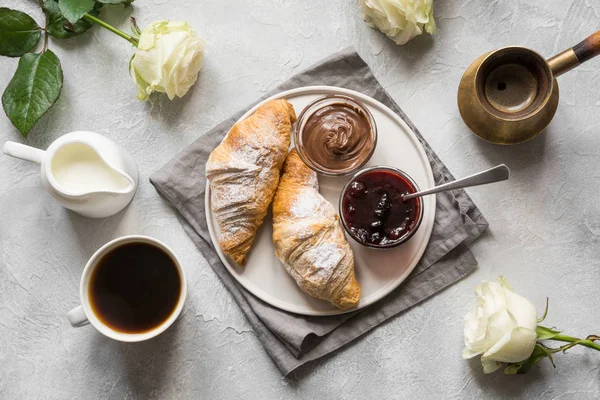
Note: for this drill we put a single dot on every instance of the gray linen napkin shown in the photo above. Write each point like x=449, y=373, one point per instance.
x=293, y=340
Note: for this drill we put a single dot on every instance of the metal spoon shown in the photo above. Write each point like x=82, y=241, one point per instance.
x=496, y=174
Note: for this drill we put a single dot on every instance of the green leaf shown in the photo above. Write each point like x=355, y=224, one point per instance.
x=32, y=90
x=59, y=27
x=126, y=2
x=544, y=333
x=538, y=354
x=18, y=32
x=73, y=10
x=513, y=368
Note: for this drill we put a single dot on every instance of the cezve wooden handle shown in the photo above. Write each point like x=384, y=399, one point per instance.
x=588, y=49
x=578, y=54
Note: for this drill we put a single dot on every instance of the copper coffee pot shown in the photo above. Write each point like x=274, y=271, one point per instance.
x=509, y=95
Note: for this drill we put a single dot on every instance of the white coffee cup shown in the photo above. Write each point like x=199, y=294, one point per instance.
x=84, y=314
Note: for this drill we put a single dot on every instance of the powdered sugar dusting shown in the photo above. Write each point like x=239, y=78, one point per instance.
x=323, y=259
x=243, y=172
x=313, y=181
x=307, y=203
x=240, y=171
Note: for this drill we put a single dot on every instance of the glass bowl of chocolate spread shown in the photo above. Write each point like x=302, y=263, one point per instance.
x=335, y=135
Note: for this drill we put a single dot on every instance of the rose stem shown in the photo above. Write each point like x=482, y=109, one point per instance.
x=111, y=28
x=583, y=342
x=45, y=29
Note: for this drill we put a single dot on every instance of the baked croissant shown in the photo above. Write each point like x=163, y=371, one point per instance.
x=309, y=239
x=244, y=172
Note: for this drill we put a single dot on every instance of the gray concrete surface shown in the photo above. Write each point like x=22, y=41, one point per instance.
x=544, y=223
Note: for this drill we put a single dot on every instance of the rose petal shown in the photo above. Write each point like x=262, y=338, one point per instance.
x=498, y=325
x=515, y=346
x=468, y=353
x=522, y=309
x=490, y=366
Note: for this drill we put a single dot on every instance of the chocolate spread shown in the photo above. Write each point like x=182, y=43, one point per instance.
x=337, y=137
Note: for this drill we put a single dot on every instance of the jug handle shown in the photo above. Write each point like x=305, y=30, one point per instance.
x=575, y=56
x=23, y=152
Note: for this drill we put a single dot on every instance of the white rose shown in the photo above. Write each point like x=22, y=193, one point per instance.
x=168, y=59
x=400, y=20
x=502, y=326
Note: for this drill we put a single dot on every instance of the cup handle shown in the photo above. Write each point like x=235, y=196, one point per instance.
x=77, y=317
x=24, y=152
x=575, y=56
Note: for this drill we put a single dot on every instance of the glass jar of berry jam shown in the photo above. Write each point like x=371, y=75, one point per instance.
x=372, y=210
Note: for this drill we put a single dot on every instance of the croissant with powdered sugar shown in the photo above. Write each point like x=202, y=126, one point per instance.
x=309, y=239
x=243, y=172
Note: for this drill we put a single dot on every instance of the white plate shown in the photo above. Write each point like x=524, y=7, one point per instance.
x=378, y=271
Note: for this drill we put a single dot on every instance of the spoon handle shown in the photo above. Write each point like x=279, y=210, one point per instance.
x=496, y=174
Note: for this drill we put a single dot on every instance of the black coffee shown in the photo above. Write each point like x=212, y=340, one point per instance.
x=135, y=287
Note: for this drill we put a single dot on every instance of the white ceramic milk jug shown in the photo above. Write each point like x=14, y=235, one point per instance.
x=85, y=172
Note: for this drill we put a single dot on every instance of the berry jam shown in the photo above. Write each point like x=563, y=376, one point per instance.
x=373, y=209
